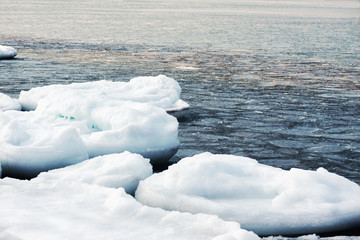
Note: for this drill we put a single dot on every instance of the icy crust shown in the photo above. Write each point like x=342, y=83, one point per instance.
x=8, y=103
x=114, y=171
x=160, y=91
x=57, y=205
x=7, y=52
x=263, y=199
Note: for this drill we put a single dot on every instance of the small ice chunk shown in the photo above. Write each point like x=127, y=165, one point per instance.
x=7, y=52
x=263, y=199
x=114, y=170
x=8, y=103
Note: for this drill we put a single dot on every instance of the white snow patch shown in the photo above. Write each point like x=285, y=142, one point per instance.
x=30, y=144
x=70, y=123
x=187, y=68
x=114, y=170
x=8, y=103
x=263, y=199
x=160, y=91
x=7, y=52
x=53, y=206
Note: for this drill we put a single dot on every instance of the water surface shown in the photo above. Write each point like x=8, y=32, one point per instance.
x=278, y=81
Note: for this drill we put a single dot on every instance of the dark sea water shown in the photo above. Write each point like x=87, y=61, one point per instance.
x=277, y=81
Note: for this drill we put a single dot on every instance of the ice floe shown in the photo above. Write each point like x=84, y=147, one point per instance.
x=106, y=127
x=114, y=170
x=7, y=52
x=30, y=144
x=160, y=91
x=66, y=124
x=8, y=103
x=56, y=205
x=263, y=199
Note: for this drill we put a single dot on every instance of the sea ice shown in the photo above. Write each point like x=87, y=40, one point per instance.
x=30, y=144
x=160, y=91
x=114, y=170
x=70, y=123
x=263, y=199
x=57, y=205
x=8, y=103
x=108, y=128
x=7, y=52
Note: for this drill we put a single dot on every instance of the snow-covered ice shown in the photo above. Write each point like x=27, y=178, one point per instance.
x=57, y=205
x=8, y=103
x=108, y=127
x=69, y=123
x=30, y=144
x=7, y=52
x=114, y=170
x=116, y=116
x=264, y=199
x=160, y=91
x=135, y=127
